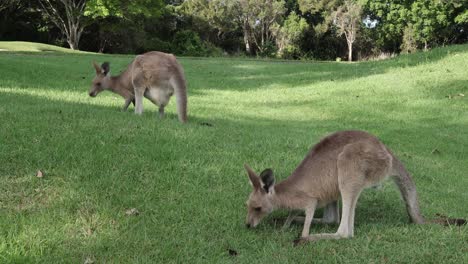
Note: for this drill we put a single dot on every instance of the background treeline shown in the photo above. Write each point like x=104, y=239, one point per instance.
x=293, y=29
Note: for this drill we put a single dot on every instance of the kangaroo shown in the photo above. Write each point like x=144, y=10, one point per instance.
x=154, y=75
x=341, y=164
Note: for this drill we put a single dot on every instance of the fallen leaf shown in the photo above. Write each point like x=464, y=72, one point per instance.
x=232, y=252
x=206, y=124
x=298, y=242
x=435, y=151
x=462, y=95
x=89, y=260
x=132, y=211
x=39, y=174
x=446, y=221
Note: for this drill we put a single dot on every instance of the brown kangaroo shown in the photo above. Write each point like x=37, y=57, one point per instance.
x=154, y=75
x=341, y=164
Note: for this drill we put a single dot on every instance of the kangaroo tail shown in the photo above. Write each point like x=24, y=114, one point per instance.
x=407, y=188
x=180, y=90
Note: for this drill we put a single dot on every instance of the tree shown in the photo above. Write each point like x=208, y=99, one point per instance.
x=258, y=19
x=289, y=34
x=214, y=20
x=409, y=42
x=121, y=25
x=4, y=4
x=124, y=8
x=320, y=12
x=347, y=19
x=68, y=16
x=392, y=17
x=429, y=17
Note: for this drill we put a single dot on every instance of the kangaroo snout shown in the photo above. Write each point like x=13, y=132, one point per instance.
x=92, y=94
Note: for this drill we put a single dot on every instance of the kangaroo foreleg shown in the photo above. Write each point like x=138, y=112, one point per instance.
x=309, y=212
x=161, y=111
x=127, y=103
x=345, y=230
x=331, y=215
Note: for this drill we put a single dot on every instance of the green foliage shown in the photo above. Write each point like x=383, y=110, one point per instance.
x=289, y=35
x=320, y=13
x=218, y=14
x=124, y=8
x=258, y=19
x=392, y=17
x=188, y=43
x=429, y=17
x=317, y=6
x=433, y=22
x=409, y=44
x=462, y=18
x=157, y=44
x=347, y=19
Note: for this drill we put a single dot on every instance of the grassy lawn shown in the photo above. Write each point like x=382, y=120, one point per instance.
x=188, y=182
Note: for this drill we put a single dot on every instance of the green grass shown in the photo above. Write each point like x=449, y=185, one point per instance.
x=188, y=182
x=21, y=46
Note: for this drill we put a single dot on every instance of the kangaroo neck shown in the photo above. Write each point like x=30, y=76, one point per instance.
x=118, y=86
x=288, y=195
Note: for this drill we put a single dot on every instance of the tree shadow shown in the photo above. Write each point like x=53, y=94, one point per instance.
x=204, y=73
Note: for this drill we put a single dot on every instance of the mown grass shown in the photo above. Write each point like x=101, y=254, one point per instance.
x=187, y=181
x=23, y=47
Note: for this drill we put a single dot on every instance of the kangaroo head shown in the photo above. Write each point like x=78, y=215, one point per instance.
x=260, y=201
x=102, y=79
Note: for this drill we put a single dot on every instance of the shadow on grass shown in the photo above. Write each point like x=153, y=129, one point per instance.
x=180, y=176
x=74, y=71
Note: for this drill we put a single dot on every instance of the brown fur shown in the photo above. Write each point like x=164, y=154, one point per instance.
x=154, y=75
x=340, y=165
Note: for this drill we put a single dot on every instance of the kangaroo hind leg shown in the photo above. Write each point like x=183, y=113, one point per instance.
x=351, y=182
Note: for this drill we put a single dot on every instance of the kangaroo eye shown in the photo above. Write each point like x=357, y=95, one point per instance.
x=258, y=209
x=98, y=84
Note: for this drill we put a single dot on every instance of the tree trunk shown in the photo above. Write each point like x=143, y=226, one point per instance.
x=245, y=28
x=72, y=45
x=74, y=36
x=246, y=42
x=350, y=51
x=72, y=42
x=69, y=22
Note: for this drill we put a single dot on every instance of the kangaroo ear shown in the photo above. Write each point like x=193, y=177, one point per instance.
x=105, y=68
x=254, y=180
x=268, y=180
x=97, y=68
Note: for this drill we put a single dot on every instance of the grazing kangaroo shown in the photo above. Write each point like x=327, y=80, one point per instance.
x=154, y=75
x=341, y=164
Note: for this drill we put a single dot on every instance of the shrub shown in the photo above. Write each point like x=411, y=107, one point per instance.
x=188, y=43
